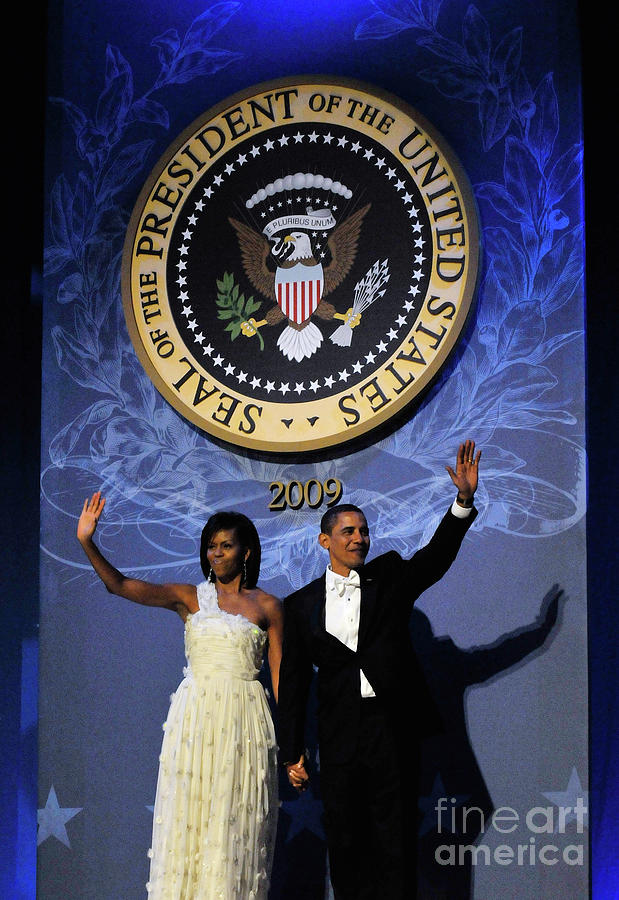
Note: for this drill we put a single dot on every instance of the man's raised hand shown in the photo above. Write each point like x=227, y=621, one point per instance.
x=467, y=466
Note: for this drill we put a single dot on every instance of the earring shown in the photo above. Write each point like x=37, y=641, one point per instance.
x=244, y=579
x=210, y=572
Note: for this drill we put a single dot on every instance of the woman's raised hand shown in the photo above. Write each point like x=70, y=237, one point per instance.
x=87, y=523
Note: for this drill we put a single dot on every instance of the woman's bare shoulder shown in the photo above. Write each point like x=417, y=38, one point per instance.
x=269, y=603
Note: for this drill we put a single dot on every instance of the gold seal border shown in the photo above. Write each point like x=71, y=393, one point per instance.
x=291, y=442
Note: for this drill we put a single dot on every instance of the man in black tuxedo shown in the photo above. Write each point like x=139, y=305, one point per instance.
x=373, y=705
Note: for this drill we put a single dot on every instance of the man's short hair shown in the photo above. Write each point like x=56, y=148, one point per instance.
x=328, y=520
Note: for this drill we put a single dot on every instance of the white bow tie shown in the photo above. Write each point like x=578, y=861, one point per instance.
x=340, y=582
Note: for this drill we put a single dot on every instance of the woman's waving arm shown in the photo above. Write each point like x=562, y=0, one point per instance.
x=178, y=597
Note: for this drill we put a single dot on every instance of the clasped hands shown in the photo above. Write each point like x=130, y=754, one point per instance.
x=297, y=774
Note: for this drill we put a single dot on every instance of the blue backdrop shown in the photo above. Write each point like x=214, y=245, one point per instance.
x=504, y=91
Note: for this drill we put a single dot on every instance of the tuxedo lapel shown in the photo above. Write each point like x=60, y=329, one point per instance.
x=317, y=618
x=317, y=607
x=369, y=602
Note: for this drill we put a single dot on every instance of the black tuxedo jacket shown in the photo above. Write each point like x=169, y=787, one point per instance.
x=389, y=587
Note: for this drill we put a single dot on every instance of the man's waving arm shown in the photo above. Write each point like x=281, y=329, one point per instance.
x=431, y=562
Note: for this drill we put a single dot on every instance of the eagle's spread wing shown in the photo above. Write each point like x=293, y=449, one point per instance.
x=254, y=253
x=343, y=247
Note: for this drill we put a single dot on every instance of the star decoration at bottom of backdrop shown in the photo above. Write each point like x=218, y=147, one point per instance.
x=52, y=819
x=573, y=803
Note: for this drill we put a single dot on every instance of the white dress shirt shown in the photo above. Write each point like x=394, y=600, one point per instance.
x=343, y=606
x=342, y=609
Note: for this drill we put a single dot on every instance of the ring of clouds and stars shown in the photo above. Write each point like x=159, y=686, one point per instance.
x=300, y=264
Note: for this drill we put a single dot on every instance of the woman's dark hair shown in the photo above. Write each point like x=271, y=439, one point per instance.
x=247, y=537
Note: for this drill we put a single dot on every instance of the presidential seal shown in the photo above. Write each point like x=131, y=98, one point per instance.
x=300, y=264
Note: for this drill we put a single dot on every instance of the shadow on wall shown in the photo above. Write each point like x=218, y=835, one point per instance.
x=449, y=768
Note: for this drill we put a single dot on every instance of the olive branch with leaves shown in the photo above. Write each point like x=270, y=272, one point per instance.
x=234, y=307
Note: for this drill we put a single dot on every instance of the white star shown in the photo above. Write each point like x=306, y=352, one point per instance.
x=390, y=173
x=208, y=192
x=283, y=140
x=192, y=219
x=283, y=388
x=314, y=386
x=407, y=198
x=329, y=381
x=218, y=360
x=229, y=369
x=344, y=376
x=242, y=159
x=370, y=357
x=342, y=142
x=419, y=258
x=52, y=819
x=298, y=137
x=368, y=154
x=269, y=386
x=255, y=151
x=417, y=273
x=187, y=234
x=183, y=250
x=255, y=382
x=200, y=205
x=242, y=376
x=192, y=325
x=299, y=387
x=269, y=144
x=574, y=801
x=207, y=350
x=218, y=179
x=183, y=295
x=181, y=265
x=399, y=185
x=187, y=311
x=381, y=346
x=391, y=334
x=419, y=242
x=327, y=138
x=199, y=338
x=416, y=226
x=313, y=137
x=379, y=163
x=357, y=367
x=229, y=169
x=408, y=305
x=401, y=320
x=181, y=280
x=355, y=147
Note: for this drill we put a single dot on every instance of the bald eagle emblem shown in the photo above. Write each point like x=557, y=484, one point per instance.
x=284, y=264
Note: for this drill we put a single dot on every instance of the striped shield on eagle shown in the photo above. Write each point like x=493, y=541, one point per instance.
x=299, y=291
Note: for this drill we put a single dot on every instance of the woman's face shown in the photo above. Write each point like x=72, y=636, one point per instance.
x=225, y=554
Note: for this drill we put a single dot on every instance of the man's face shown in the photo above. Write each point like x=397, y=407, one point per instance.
x=348, y=543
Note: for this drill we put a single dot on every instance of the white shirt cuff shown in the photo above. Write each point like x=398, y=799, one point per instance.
x=460, y=512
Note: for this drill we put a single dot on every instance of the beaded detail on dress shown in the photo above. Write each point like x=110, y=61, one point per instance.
x=216, y=806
